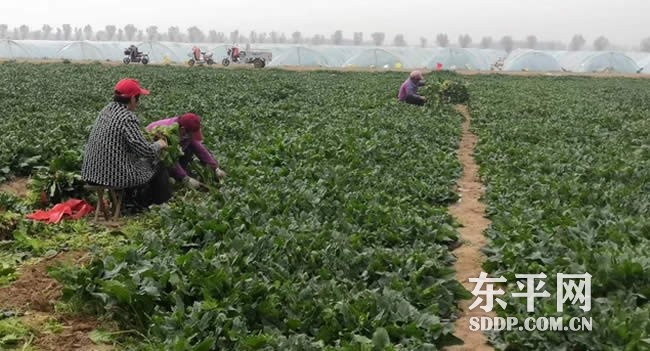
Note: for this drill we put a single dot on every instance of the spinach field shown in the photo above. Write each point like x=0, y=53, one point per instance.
x=331, y=231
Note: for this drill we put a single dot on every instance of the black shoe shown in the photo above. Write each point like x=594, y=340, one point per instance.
x=453, y=245
x=132, y=208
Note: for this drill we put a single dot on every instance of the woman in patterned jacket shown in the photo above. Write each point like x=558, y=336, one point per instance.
x=117, y=154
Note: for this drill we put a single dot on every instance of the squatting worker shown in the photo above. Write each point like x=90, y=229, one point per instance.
x=408, y=92
x=117, y=155
x=191, y=141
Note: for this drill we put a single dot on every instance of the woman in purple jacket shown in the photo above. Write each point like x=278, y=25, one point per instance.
x=408, y=92
x=191, y=143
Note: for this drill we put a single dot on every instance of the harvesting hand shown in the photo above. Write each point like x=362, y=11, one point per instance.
x=191, y=182
x=162, y=143
x=220, y=173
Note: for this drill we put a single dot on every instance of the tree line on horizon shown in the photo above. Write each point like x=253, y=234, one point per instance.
x=195, y=35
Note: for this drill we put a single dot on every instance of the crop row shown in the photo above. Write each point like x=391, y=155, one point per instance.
x=567, y=169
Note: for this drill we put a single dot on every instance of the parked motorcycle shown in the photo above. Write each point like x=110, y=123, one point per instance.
x=135, y=56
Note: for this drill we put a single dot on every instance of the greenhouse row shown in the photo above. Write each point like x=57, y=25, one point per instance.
x=344, y=56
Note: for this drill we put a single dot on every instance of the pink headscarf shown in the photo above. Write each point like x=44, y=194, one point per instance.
x=416, y=76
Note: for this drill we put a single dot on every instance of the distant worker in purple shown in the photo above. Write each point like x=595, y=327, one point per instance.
x=408, y=92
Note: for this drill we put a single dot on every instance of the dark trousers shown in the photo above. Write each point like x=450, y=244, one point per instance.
x=188, y=156
x=413, y=100
x=157, y=191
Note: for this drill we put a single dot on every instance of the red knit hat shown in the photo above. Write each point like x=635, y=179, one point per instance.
x=192, y=124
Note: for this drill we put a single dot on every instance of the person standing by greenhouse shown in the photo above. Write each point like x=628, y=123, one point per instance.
x=118, y=156
x=408, y=92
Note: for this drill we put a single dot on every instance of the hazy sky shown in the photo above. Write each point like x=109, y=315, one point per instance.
x=622, y=21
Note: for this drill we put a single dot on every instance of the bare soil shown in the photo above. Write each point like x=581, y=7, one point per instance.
x=17, y=187
x=35, y=290
x=470, y=213
x=35, y=293
x=73, y=337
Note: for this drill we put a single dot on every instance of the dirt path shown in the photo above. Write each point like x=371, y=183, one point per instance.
x=470, y=213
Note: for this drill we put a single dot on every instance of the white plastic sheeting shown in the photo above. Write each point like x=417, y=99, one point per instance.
x=642, y=60
x=159, y=52
x=531, y=61
x=184, y=50
x=637, y=56
x=12, y=50
x=219, y=52
x=414, y=57
x=41, y=49
x=80, y=50
x=376, y=58
x=339, y=56
x=300, y=56
x=111, y=50
x=456, y=59
x=644, y=65
x=558, y=54
x=491, y=56
x=587, y=62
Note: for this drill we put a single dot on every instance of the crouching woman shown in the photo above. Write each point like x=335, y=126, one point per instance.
x=118, y=156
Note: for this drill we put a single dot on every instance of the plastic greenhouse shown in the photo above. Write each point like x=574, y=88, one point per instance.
x=159, y=52
x=183, y=51
x=11, y=49
x=338, y=55
x=644, y=65
x=558, y=54
x=111, y=50
x=456, y=59
x=490, y=56
x=219, y=51
x=299, y=56
x=342, y=56
x=638, y=57
x=531, y=60
x=43, y=49
x=414, y=57
x=377, y=58
x=80, y=50
x=598, y=62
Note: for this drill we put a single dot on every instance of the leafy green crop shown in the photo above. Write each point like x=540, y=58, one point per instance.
x=454, y=92
x=565, y=162
x=58, y=181
x=173, y=152
x=445, y=87
x=12, y=333
x=330, y=232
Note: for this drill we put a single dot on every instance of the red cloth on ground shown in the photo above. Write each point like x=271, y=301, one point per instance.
x=72, y=209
